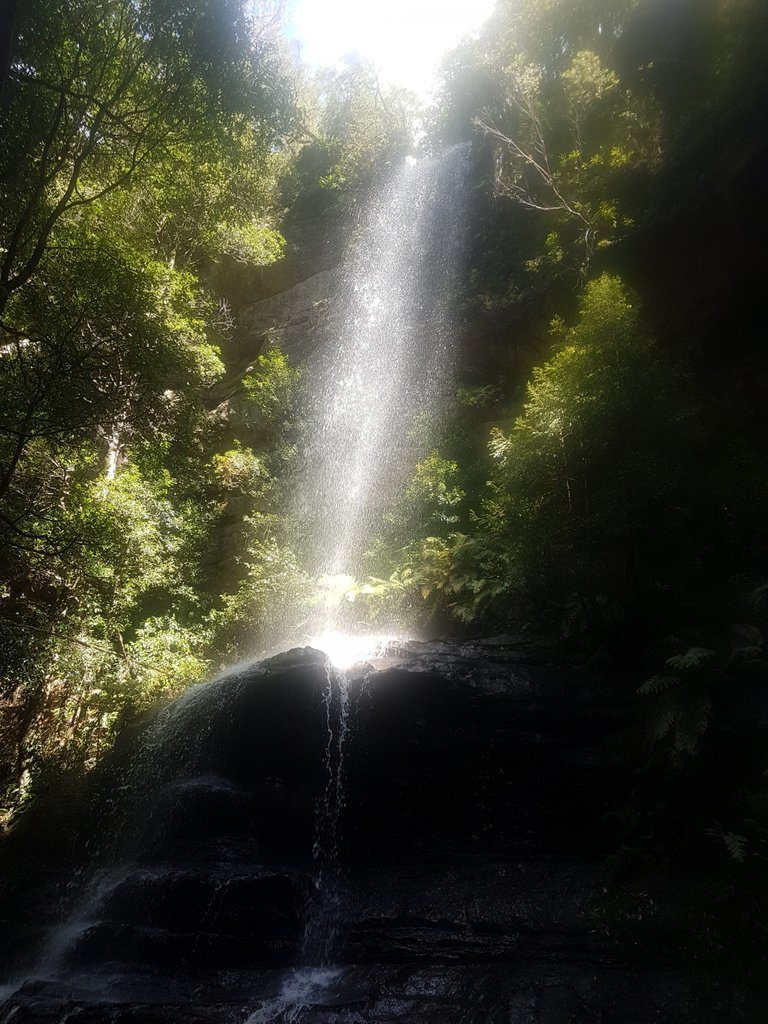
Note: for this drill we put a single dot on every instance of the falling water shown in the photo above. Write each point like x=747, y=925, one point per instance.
x=321, y=923
x=296, y=995
x=380, y=384
x=383, y=379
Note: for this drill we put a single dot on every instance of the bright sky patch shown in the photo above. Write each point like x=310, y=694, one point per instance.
x=404, y=39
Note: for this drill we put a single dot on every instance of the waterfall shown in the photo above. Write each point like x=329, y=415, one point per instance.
x=164, y=881
x=320, y=928
x=381, y=382
x=377, y=396
x=375, y=388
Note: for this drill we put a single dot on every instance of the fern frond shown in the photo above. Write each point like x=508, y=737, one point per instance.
x=657, y=684
x=737, y=846
x=666, y=717
x=700, y=717
x=694, y=657
x=691, y=725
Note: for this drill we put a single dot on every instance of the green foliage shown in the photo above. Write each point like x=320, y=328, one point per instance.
x=97, y=96
x=584, y=522
x=413, y=558
x=419, y=583
x=272, y=594
x=262, y=590
x=433, y=496
x=589, y=489
x=568, y=129
x=682, y=699
x=694, y=657
x=240, y=471
x=203, y=199
x=429, y=504
x=736, y=846
x=682, y=713
x=163, y=659
x=272, y=385
x=143, y=145
x=358, y=124
x=271, y=412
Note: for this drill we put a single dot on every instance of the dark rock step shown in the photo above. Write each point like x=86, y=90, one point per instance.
x=187, y=900
x=426, y=942
x=185, y=814
x=531, y=993
x=469, y=858
x=158, y=948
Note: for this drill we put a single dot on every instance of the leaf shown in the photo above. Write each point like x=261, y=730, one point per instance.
x=665, y=720
x=691, y=724
x=694, y=657
x=736, y=846
x=658, y=684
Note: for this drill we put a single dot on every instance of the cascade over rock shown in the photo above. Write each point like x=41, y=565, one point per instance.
x=468, y=796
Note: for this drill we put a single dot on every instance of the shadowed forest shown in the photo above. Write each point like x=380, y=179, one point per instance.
x=600, y=481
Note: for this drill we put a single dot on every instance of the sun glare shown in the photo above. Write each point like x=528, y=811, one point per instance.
x=347, y=649
x=403, y=39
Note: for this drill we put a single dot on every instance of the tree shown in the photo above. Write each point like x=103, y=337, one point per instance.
x=144, y=146
x=593, y=498
x=566, y=141
x=98, y=90
x=358, y=123
x=119, y=331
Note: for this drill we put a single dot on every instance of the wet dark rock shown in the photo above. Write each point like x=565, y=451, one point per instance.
x=471, y=883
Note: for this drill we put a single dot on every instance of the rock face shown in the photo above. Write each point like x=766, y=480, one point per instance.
x=424, y=843
x=290, y=303
x=296, y=320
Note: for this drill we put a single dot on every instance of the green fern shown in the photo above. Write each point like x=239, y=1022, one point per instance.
x=694, y=657
x=682, y=706
x=658, y=684
x=664, y=722
x=737, y=846
x=691, y=724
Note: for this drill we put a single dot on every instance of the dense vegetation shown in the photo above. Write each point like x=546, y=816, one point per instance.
x=602, y=475
x=625, y=498
x=144, y=142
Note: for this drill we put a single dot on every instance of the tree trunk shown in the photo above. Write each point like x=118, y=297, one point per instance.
x=113, y=454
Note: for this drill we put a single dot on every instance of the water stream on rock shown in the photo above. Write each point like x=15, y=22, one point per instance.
x=303, y=985
x=379, y=393
x=300, y=988
x=320, y=927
